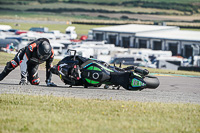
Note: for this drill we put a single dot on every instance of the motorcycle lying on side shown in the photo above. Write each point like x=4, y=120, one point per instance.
x=76, y=70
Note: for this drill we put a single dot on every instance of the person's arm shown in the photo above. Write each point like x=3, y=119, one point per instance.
x=48, y=67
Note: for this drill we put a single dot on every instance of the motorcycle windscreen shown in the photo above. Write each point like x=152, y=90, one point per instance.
x=127, y=80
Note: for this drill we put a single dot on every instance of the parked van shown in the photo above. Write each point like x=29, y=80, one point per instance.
x=57, y=47
x=71, y=33
x=136, y=60
x=5, y=27
x=39, y=29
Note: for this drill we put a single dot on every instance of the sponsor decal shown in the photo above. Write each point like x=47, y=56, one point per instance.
x=137, y=83
x=91, y=81
x=32, y=46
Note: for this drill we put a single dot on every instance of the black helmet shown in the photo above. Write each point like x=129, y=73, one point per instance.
x=44, y=50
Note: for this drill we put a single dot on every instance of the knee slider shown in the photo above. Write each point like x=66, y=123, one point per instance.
x=35, y=81
x=12, y=64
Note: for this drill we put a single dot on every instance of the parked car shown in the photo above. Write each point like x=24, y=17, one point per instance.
x=19, y=32
x=5, y=27
x=39, y=29
x=13, y=30
x=136, y=60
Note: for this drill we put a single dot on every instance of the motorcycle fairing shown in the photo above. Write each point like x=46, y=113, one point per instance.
x=95, y=73
x=69, y=74
x=136, y=82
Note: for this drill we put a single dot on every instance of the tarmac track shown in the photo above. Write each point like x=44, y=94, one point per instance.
x=172, y=89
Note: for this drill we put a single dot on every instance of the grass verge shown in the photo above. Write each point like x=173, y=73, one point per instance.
x=179, y=72
x=81, y=29
x=23, y=113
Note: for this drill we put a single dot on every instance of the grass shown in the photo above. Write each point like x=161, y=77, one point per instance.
x=90, y=18
x=179, y=72
x=116, y=1
x=166, y=71
x=89, y=6
x=93, y=9
x=5, y=57
x=120, y=1
x=81, y=29
x=23, y=113
x=190, y=29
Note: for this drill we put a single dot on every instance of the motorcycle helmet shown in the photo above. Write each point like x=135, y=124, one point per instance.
x=44, y=50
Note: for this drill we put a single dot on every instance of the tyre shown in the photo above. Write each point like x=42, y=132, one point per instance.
x=152, y=82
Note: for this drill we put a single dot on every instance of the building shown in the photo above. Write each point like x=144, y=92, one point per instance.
x=184, y=43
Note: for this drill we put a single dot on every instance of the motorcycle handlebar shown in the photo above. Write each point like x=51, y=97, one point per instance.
x=137, y=69
x=69, y=50
x=130, y=68
x=142, y=71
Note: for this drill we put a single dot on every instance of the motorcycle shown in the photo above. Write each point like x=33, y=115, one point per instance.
x=76, y=70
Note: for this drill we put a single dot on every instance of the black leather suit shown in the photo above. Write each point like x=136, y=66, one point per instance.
x=28, y=60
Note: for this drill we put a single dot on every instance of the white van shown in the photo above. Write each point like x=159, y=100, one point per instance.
x=57, y=47
x=71, y=33
x=5, y=27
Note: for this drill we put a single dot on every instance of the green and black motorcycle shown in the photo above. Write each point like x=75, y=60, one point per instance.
x=76, y=70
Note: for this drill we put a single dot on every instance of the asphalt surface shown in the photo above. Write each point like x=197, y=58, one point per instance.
x=171, y=90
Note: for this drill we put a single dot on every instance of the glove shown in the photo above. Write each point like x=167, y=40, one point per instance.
x=23, y=82
x=49, y=83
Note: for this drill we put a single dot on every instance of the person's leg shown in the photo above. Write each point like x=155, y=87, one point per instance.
x=11, y=65
x=33, y=74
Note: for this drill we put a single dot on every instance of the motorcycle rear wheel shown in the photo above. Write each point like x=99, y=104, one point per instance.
x=152, y=82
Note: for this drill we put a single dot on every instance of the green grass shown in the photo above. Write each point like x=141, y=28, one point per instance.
x=81, y=29
x=119, y=1
x=5, y=57
x=166, y=71
x=179, y=72
x=23, y=113
x=109, y=9
x=89, y=6
x=198, y=29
